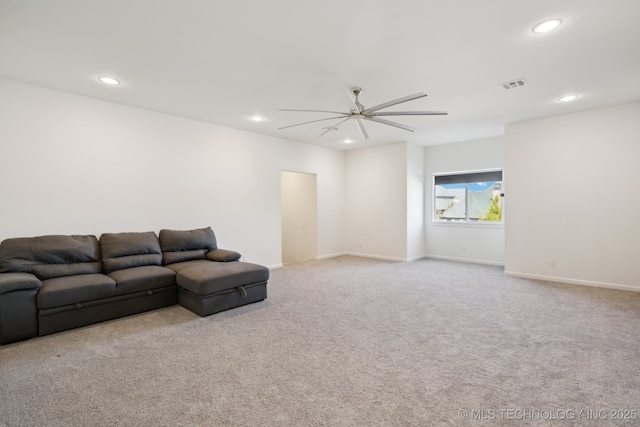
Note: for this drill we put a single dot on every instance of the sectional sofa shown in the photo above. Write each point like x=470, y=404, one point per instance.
x=53, y=283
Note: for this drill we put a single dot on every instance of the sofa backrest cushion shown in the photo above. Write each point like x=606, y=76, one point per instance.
x=51, y=256
x=186, y=245
x=126, y=250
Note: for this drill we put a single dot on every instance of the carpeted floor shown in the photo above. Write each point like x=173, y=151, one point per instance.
x=346, y=342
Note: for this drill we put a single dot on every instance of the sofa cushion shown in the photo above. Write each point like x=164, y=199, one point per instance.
x=182, y=256
x=69, y=290
x=179, y=266
x=143, y=278
x=206, y=279
x=185, y=245
x=126, y=250
x=51, y=256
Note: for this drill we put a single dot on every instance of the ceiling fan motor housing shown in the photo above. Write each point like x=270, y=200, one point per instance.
x=356, y=91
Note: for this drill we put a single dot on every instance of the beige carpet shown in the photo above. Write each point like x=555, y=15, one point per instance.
x=346, y=342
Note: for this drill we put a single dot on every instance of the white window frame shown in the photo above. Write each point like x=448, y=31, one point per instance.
x=467, y=222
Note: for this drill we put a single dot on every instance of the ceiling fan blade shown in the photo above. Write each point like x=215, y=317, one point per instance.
x=390, y=123
x=363, y=129
x=312, y=121
x=318, y=111
x=409, y=113
x=325, y=132
x=394, y=102
x=334, y=127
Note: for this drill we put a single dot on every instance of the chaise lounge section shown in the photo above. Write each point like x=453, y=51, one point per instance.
x=206, y=287
x=53, y=283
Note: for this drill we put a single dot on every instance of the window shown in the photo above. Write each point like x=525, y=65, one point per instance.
x=468, y=197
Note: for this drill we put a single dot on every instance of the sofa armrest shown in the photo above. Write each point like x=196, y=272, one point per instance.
x=18, y=281
x=18, y=306
x=223, y=255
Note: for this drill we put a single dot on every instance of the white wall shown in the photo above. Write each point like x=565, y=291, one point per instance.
x=573, y=197
x=464, y=242
x=76, y=165
x=376, y=201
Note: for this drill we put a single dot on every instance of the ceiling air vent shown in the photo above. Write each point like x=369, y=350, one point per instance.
x=514, y=84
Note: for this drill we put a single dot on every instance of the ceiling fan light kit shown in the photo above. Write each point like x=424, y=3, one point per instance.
x=359, y=114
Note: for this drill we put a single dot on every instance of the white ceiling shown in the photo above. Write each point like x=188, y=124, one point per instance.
x=224, y=61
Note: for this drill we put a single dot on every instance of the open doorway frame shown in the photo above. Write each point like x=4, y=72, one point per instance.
x=299, y=207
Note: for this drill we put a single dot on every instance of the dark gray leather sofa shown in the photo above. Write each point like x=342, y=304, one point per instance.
x=50, y=284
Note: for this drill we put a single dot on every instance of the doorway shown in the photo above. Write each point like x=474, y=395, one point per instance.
x=299, y=216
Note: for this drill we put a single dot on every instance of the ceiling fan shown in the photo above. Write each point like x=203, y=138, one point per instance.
x=359, y=113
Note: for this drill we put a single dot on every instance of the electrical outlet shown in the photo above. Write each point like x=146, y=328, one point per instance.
x=552, y=262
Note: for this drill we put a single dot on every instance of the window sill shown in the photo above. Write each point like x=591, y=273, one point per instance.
x=471, y=224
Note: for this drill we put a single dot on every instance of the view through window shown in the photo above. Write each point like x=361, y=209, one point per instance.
x=468, y=197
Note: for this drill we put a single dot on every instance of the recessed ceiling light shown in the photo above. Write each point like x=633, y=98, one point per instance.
x=348, y=141
x=109, y=80
x=545, y=26
x=568, y=98
x=256, y=119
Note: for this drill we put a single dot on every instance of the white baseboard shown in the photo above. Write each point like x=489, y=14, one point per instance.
x=274, y=266
x=382, y=257
x=387, y=258
x=574, y=281
x=330, y=255
x=469, y=260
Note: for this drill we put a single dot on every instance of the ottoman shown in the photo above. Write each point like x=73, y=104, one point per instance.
x=210, y=287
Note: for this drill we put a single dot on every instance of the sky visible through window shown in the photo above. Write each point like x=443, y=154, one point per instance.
x=473, y=186
x=470, y=201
